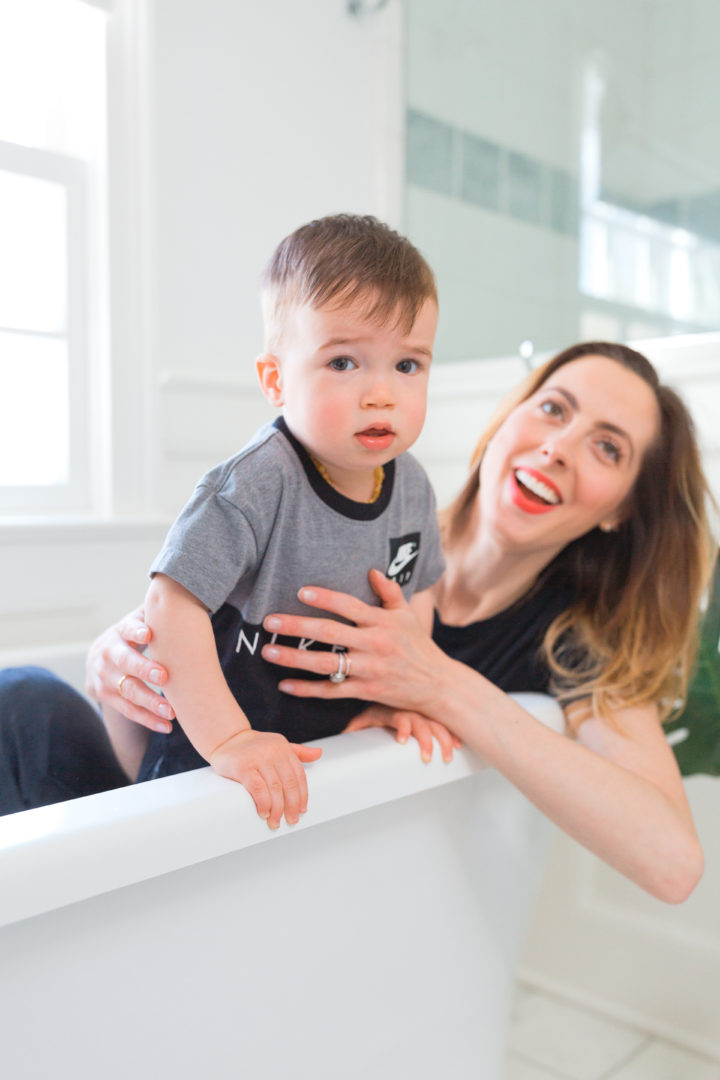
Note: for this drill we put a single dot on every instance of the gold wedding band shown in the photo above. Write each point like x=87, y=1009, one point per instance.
x=121, y=680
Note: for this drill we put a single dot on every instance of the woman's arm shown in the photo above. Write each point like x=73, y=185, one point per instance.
x=618, y=792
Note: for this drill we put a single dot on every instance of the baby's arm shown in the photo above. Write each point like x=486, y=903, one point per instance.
x=264, y=762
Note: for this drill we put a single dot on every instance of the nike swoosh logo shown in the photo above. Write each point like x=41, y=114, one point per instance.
x=400, y=561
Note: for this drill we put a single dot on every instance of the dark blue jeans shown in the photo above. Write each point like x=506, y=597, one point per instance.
x=53, y=745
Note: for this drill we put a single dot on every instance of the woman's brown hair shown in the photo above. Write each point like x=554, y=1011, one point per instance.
x=629, y=636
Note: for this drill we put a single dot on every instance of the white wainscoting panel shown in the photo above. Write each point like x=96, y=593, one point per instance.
x=66, y=583
x=204, y=420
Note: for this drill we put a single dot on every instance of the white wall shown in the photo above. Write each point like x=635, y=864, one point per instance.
x=264, y=116
x=231, y=124
x=258, y=119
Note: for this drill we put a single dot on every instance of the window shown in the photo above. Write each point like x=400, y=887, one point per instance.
x=53, y=328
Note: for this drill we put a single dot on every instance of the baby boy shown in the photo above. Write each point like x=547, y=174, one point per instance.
x=320, y=496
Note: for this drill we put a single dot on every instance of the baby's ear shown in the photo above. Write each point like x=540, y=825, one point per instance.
x=270, y=376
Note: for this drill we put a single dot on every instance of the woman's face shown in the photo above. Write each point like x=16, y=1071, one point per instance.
x=565, y=460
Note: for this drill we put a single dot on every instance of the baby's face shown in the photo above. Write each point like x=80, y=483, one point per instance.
x=354, y=392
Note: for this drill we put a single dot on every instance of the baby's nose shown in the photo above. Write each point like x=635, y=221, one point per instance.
x=378, y=395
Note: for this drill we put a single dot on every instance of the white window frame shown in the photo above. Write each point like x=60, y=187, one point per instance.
x=69, y=173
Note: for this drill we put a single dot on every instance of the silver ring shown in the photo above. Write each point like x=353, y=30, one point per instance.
x=120, y=682
x=343, y=669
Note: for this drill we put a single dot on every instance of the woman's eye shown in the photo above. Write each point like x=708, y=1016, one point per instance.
x=552, y=408
x=342, y=363
x=408, y=367
x=610, y=449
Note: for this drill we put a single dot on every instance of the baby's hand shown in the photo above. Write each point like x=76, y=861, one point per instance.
x=269, y=767
x=405, y=724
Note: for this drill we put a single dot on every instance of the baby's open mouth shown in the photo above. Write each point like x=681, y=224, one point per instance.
x=535, y=489
x=377, y=430
x=376, y=437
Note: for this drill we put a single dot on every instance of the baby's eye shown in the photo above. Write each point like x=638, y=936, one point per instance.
x=610, y=449
x=342, y=363
x=407, y=367
x=552, y=408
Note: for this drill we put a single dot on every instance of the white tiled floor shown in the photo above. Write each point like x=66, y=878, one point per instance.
x=552, y=1039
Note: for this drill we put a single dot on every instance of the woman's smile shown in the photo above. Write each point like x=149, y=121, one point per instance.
x=534, y=492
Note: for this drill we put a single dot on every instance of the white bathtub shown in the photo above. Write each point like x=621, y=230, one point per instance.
x=164, y=931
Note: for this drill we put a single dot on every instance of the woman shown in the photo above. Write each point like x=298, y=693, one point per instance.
x=577, y=554
x=584, y=520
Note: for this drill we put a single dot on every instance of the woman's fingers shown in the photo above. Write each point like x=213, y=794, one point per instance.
x=140, y=714
x=326, y=631
x=138, y=702
x=329, y=631
x=389, y=592
x=321, y=662
x=323, y=688
x=116, y=673
x=348, y=607
x=133, y=628
x=129, y=661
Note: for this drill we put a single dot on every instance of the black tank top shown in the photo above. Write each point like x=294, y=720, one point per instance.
x=506, y=648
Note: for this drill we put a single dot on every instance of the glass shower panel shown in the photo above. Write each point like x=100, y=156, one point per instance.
x=563, y=168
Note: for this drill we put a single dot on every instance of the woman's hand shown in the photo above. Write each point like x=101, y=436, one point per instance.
x=406, y=724
x=116, y=673
x=392, y=658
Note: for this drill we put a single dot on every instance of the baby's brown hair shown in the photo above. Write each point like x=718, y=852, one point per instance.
x=346, y=259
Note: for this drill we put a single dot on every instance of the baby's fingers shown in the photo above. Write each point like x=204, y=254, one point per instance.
x=403, y=727
x=276, y=792
x=294, y=789
x=307, y=754
x=445, y=738
x=256, y=786
x=423, y=733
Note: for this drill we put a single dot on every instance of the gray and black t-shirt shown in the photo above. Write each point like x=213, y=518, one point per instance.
x=257, y=528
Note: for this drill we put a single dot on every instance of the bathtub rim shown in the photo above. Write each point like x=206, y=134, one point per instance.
x=57, y=855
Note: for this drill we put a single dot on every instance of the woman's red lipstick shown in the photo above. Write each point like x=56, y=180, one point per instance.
x=533, y=492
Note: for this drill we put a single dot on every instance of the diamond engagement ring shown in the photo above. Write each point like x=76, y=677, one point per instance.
x=343, y=668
